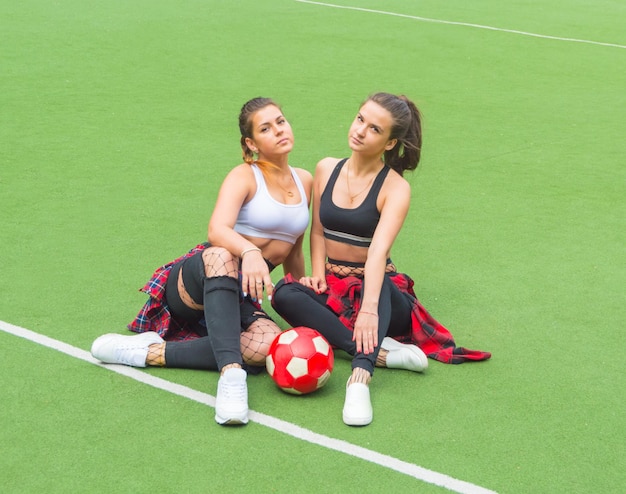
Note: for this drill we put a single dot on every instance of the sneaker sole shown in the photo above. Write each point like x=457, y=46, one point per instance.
x=358, y=422
x=231, y=421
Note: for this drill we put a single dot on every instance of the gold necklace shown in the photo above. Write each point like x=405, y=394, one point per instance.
x=350, y=196
x=287, y=191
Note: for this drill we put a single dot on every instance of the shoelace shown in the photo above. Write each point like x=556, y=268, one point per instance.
x=233, y=391
x=127, y=354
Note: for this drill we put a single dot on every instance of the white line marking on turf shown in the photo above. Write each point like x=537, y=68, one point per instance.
x=279, y=425
x=466, y=24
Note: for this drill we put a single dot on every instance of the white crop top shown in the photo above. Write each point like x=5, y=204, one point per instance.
x=265, y=217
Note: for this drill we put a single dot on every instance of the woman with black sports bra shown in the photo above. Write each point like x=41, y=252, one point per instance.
x=355, y=297
x=206, y=303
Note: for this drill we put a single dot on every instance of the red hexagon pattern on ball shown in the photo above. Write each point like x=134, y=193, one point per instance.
x=300, y=360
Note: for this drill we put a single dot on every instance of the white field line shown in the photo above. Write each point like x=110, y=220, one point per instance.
x=466, y=24
x=279, y=425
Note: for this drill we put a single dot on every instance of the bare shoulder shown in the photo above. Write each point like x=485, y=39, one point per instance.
x=325, y=166
x=305, y=175
x=240, y=178
x=306, y=178
x=241, y=171
x=396, y=185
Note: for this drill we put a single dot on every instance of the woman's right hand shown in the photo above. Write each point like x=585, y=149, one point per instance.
x=318, y=285
x=255, y=276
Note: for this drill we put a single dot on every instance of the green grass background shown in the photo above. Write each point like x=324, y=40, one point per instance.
x=118, y=123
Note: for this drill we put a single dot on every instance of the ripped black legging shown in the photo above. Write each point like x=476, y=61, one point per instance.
x=226, y=314
x=301, y=306
x=198, y=354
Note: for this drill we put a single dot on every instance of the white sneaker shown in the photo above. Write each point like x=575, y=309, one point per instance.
x=404, y=356
x=231, y=402
x=128, y=350
x=357, y=409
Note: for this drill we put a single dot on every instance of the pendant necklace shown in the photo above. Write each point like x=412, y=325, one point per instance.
x=288, y=192
x=350, y=196
x=277, y=182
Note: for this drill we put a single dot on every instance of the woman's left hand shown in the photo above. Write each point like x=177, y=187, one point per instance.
x=366, y=332
x=318, y=285
x=255, y=276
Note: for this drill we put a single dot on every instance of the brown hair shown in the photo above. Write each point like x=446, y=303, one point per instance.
x=245, y=127
x=407, y=128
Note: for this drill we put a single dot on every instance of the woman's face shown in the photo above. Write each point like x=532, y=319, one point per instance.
x=370, y=130
x=271, y=132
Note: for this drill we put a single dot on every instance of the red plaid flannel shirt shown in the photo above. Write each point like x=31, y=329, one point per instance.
x=344, y=299
x=155, y=315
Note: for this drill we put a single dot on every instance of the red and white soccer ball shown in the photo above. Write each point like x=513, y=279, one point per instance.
x=300, y=360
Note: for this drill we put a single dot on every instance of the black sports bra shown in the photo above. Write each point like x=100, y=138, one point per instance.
x=351, y=226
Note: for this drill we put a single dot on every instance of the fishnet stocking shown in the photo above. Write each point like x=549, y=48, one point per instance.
x=343, y=271
x=219, y=262
x=256, y=341
x=156, y=355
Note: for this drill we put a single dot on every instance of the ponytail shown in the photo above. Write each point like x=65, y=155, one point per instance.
x=406, y=128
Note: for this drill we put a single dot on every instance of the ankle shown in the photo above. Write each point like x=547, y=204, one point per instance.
x=229, y=366
x=156, y=355
x=360, y=375
x=381, y=358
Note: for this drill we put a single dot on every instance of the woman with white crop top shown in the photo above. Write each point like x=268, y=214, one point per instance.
x=204, y=310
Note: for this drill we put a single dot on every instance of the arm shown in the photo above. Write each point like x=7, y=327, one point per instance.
x=393, y=213
x=317, y=281
x=318, y=247
x=237, y=188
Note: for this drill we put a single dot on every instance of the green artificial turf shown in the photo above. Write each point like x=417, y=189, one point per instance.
x=118, y=121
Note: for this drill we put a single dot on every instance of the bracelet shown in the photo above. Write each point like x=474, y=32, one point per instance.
x=251, y=249
x=370, y=313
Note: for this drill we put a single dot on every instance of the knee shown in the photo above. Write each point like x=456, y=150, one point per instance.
x=288, y=297
x=262, y=330
x=282, y=292
x=218, y=261
x=270, y=334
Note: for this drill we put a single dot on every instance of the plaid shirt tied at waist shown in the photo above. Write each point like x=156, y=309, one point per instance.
x=344, y=299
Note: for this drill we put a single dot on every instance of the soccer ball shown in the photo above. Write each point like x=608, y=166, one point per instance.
x=300, y=360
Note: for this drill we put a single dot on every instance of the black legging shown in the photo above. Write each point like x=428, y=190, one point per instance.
x=225, y=313
x=198, y=353
x=301, y=306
